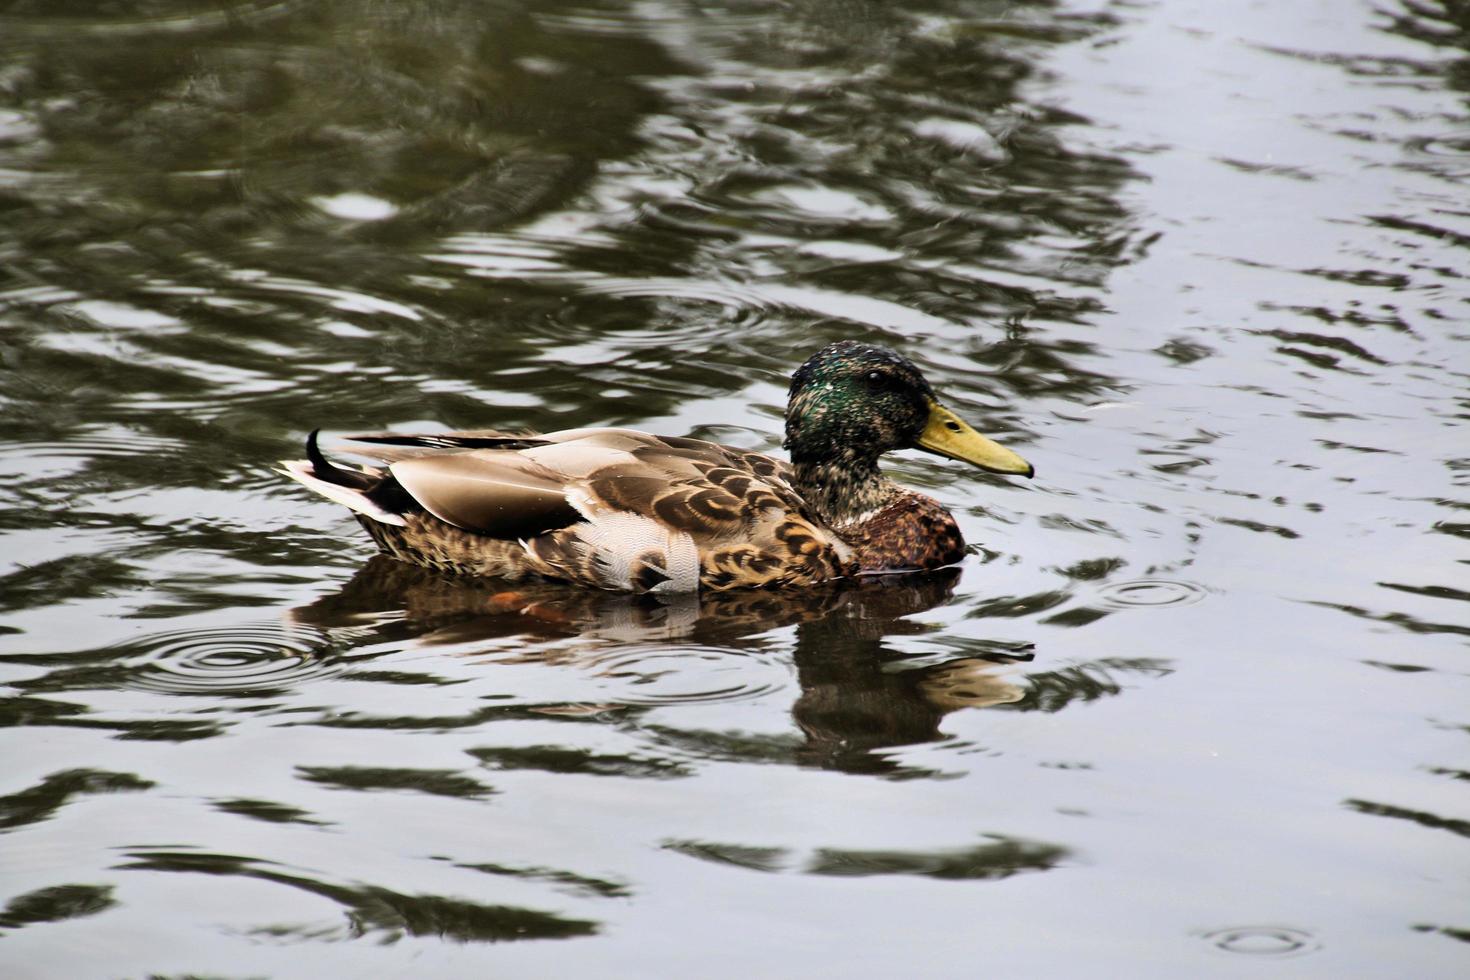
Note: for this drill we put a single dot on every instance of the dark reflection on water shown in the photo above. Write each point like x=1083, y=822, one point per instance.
x=432, y=781
x=39, y=802
x=388, y=600
x=853, y=702
x=1454, y=825
x=381, y=913
x=205, y=188
x=572, y=883
x=555, y=758
x=1000, y=858
x=1463, y=935
x=267, y=811
x=55, y=904
x=1055, y=690
x=856, y=694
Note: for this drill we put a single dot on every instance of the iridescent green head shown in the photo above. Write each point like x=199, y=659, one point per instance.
x=852, y=402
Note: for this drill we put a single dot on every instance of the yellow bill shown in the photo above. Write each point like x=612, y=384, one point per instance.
x=948, y=435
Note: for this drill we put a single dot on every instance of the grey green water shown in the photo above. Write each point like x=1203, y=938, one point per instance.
x=1197, y=703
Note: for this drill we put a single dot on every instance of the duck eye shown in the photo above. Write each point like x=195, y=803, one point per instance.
x=876, y=381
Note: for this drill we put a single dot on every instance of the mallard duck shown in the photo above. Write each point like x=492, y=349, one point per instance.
x=625, y=510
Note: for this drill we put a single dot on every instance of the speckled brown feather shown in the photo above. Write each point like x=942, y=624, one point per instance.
x=912, y=532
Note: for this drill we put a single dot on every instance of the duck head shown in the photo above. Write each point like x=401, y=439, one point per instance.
x=852, y=402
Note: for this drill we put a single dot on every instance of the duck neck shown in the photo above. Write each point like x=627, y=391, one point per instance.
x=843, y=491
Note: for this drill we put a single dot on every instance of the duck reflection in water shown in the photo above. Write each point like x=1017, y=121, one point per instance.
x=855, y=695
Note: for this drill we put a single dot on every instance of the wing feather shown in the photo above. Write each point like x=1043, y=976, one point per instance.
x=496, y=493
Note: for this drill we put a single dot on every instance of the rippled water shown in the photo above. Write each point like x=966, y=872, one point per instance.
x=1198, y=698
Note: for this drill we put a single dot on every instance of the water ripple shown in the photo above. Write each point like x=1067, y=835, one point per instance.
x=658, y=676
x=588, y=21
x=1264, y=941
x=1152, y=593
x=232, y=660
x=115, y=448
x=679, y=307
x=1448, y=154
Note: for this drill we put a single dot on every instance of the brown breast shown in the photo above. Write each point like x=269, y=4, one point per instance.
x=912, y=532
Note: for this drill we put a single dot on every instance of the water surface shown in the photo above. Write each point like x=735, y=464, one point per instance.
x=1197, y=698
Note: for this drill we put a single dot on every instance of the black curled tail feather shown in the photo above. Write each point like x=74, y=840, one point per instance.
x=324, y=469
x=381, y=488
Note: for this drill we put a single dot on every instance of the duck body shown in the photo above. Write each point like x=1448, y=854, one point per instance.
x=621, y=509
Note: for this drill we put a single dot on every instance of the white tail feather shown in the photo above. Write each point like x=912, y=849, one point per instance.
x=300, y=471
